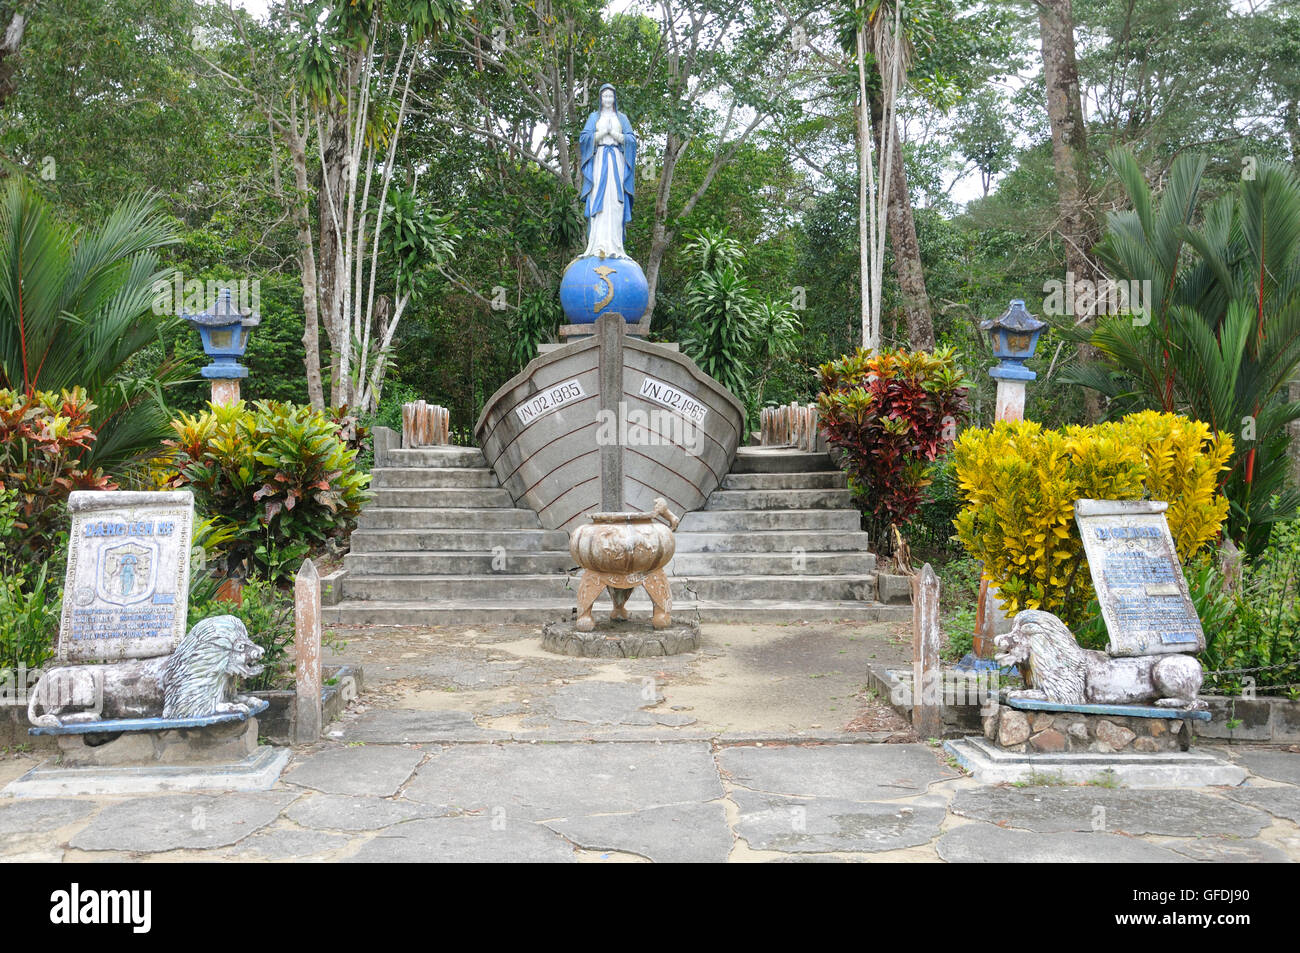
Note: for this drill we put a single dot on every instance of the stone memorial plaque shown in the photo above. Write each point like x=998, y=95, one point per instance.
x=1139, y=581
x=128, y=581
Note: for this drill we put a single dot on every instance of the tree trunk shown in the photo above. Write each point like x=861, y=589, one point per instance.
x=660, y=234
x=870, y=329
x=903, y=241
x=10, y=40
x=332, y=273
x=1291, y=123
x=1069, y=158
x=302, y=220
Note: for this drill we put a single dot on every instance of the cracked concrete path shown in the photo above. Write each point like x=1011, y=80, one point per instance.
x=473, y=745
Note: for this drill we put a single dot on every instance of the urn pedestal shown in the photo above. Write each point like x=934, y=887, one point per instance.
x=620, y=551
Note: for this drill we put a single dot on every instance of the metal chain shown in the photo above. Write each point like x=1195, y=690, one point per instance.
x=1258, y=668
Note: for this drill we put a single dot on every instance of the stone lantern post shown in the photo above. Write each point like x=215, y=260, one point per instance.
x=224, y=329
x=1015, y=337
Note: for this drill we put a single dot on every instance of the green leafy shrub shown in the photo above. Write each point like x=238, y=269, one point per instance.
x=278, y=477
x=1020, y=480
x=891, y=414
x=75, y=311
x=735, y=336
x=267, y=613
x=43, y=438
x=959, y=633
x=1221, y=335
x=1259, y=626
x=29, y=602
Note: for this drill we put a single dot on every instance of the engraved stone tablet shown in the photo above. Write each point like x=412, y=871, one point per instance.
x=1139, y=581
x=128, y=581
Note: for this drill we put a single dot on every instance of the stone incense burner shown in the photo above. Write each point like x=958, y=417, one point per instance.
x=620, y=551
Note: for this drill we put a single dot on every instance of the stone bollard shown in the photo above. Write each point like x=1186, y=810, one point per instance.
x=927, y=677
x=306, y=651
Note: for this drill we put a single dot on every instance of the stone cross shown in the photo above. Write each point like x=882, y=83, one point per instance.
x=306, y=649
x=927, y=678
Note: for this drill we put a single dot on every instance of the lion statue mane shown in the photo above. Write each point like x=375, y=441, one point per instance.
x=1057, y=669
x=196, y=681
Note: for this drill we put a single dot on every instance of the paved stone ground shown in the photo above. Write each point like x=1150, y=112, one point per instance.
x=474, y=745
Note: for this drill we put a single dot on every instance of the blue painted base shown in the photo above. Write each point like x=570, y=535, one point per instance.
x=1011, y=371
x=1130, y=711
x=224, y=371
x=151, y=724
x=970, y=662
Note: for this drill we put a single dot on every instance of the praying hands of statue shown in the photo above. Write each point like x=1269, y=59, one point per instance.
x=608, y=130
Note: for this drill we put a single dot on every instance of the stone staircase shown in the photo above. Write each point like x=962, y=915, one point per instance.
x=442, y=543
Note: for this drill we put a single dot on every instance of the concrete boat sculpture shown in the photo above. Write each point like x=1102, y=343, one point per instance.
x=545, y=431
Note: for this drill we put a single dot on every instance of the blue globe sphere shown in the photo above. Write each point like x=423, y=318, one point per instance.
x=593, y=286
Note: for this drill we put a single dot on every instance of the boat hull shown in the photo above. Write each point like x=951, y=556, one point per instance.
x=543, y=431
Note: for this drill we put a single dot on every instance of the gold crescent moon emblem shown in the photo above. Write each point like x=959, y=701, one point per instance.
x=604, y=271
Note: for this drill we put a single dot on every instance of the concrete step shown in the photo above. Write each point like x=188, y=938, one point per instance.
x=487, y=563
x=533, y=612
x=779, y=460
x=437, y=457
x=779, y=500
x=772, y=541
x=459, y=540
x=741, y=522
x=433, y=477
x=827, y=480
x=799, y=563
x=397, y=588
x=421, y=518
x=449, y=498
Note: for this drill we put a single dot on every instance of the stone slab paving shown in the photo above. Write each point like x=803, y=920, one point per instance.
x=363, y=769
x=466, y=840
x=658, y=801
x=613, y=703
x=849, y=772
x=824, y=825
x=173, y=821
x=471, y=745
x=543, y=781
x=1277, y=765
x=1086, y=808
x=986, y=843
x=1283, y=802
x=403, y=726
x=679, y=834
x=288, y=844
x=18, y=818
x=1222, y=850
x=330, y=812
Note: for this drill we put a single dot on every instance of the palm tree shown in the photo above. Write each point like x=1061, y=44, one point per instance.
x=1219, y=337
x=76, y=310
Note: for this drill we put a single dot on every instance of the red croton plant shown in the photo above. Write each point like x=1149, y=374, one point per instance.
x=43, y=437
x=891, y=414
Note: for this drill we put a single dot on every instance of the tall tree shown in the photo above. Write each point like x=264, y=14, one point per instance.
x=1069, y=155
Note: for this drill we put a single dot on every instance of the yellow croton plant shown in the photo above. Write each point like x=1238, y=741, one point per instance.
x=1020, y=480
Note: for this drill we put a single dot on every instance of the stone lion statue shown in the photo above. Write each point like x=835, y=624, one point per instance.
x=195, y=681
x=1058, y=670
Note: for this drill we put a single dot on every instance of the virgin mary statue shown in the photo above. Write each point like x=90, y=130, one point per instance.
x=608, y=148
